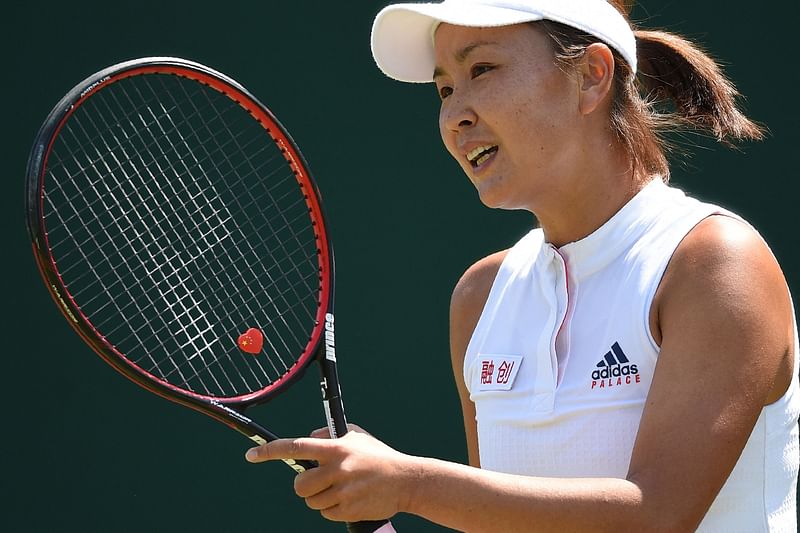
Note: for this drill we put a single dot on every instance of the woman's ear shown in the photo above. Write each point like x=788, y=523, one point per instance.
x=597, y=75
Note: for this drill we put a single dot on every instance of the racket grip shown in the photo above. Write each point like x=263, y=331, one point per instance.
x=261, y=435
x=371, y=526
x=300, y=465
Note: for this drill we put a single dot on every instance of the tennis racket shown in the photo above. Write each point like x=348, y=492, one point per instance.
x=178, y=228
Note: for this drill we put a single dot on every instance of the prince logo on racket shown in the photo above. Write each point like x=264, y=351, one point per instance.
x=330, y=345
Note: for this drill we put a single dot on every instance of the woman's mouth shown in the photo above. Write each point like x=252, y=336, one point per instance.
x=480, y=155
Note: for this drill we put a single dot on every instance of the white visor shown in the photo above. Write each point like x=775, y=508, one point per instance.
x=402, y=34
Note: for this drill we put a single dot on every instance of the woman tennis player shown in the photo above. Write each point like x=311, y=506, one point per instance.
x=630, y=365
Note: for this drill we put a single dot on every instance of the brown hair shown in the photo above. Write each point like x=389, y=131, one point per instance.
x=678, y=86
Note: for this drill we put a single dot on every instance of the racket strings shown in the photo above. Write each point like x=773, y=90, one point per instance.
x=248, y=161
x=219, y=302
x=191, y=339
x=286, y=224
x=204, y=285
x=169, y=259
x=100, y=159
x=151, y=302
x=203, y=145
x=286, y=229
x=200, y=330
x=174, y=237
x=132, y=221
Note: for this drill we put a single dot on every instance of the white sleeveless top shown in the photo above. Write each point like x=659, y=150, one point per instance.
x=562, y=358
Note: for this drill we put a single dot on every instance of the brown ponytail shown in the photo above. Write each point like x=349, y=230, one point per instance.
x=671, y=67
x=678, y=86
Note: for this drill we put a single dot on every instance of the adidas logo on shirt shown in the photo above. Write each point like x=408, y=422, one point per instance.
x=615, y=370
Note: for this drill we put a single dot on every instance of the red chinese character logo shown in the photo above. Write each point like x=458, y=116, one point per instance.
x=504, y=372
x=487, y=369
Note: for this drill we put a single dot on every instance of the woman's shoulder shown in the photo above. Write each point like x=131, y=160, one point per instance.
x=469, y=297
x=726, y=240
x=726, y=278
x=719, y=254
x=472, y=289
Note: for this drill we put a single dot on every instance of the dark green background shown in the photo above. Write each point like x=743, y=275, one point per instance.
x=405, y=223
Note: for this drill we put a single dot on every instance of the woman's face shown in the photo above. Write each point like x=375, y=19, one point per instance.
x=509, y=113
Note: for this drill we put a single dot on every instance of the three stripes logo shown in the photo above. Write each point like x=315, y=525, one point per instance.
x=615, y=369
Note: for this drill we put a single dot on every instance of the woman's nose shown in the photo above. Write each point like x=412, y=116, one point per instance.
x=458, y=115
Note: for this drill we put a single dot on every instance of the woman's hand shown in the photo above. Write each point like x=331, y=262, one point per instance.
x=358, y=478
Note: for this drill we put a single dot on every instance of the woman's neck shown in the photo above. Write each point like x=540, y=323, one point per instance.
x=588, y=201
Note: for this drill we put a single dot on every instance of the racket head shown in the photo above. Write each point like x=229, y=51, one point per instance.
x=160, y=198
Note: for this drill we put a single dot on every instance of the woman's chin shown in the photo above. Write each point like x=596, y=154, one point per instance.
x=493, y=198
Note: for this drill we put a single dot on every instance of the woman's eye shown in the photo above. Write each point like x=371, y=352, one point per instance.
x=445, y=91
x=477, y=70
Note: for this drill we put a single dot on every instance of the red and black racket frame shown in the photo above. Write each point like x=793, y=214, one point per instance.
x=229, y=411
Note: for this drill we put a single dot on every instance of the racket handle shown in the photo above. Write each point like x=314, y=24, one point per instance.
x=337, y=425
x=371, y=526
x=261, y=435
x=367, y=526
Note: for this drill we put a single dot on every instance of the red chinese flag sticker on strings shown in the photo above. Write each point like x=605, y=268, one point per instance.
x=251, y=341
